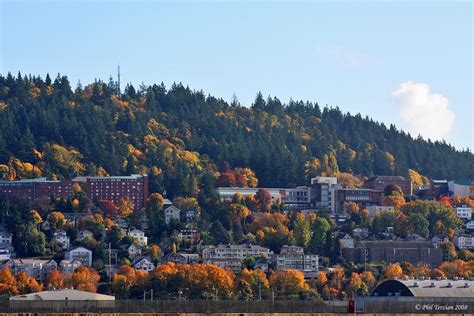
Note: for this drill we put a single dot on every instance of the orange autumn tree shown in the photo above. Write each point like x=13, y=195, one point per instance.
x=55, y=280
x=288, y=283
x=393, y=270
x=125, y=207
x=26, y=284
x=250, y=283
x=7, y=282
x=85, y=279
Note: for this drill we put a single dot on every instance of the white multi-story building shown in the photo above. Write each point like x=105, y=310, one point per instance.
x=293, y=257
x=35, y=268
x=464, y=241
x=229, y=192
x=139, y=236
x=80, y=254
x=464, y=212
x=62, y=238
x=172, y=213
x=324, y=193
x=69, y=266
x=235, y=251
x=190, y=236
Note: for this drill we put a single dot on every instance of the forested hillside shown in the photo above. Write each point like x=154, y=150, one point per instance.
x=178, y=136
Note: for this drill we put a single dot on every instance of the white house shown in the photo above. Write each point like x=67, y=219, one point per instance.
x=470, y=225
x=5, y=254
x=69, y=266
x=80, y=254
x=134, y=250
x=139, y=236
x=83, y=234
x=464, y=241
x=346, y=242
x=122, y=223
x=438, y=240
x=62, y=238
x=144, y=264
x=172, y=213
x=464, y=212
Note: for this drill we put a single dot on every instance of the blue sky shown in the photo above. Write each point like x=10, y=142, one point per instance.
x=391, y=61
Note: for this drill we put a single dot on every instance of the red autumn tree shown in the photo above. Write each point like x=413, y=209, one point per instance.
x=264, y=199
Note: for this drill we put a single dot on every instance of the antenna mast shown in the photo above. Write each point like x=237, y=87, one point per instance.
x=118, y=81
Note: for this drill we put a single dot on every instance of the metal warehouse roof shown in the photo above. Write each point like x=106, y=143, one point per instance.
x=425, y=288
x=62, y=295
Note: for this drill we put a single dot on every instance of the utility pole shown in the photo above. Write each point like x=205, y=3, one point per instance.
x=110, y=263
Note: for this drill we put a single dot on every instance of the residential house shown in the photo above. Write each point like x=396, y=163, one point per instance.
x=189, y=236
x=5, y=255
x=464, y=212
x=438, y=240
x=134, y=250
x=46, y=226
x=5, y=236
x=62, y=238
x=69, y=266
x=6, y=244
x=172, y=213
x=360, y=233
x=144, y=264
x=346, y=242
x=470, y=225
x=294, y=258
x=122, y=223
x=83, y=234
x=139, y=236
x=80, y=254
x=190, y=216
x=35, y=268
x=464, y=241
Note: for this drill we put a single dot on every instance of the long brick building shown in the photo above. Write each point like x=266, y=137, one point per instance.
x=135, y=187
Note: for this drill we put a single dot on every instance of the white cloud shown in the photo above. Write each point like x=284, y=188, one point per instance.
x=423, y=112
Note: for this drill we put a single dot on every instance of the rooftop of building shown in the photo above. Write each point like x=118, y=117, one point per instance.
x=425, y=288
x=387, y=178
x=62, y=295
x=394, y=244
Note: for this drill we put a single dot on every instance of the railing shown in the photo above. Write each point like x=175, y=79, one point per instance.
x=170, y=306
x=379, y=305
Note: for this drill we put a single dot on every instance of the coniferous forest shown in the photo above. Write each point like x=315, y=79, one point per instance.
x=182, y=137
